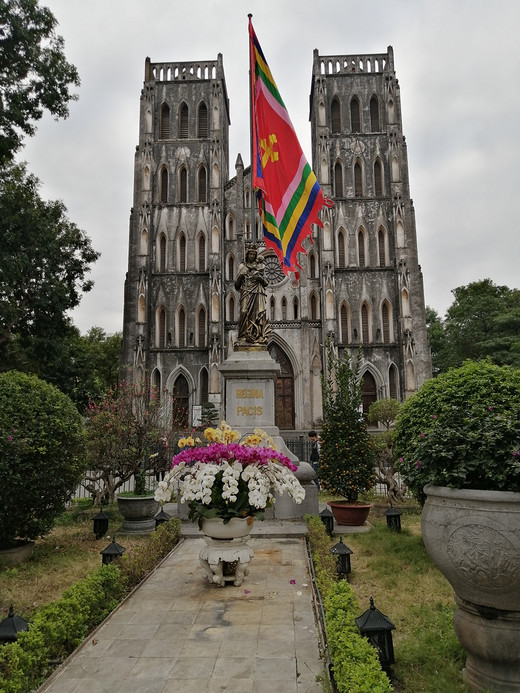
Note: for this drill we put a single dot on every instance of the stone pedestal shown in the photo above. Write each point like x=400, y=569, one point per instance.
x=249, y=385
x=226, y=560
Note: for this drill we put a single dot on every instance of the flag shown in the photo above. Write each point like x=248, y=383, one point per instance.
x=289, y=195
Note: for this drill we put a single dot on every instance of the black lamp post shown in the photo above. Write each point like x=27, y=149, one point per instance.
x=377, y=628
x=342, y=553
x=393, y=519
x=328, y=520
x=112, y=551
x=11, y=626
x=100, y=524
x=161, y=518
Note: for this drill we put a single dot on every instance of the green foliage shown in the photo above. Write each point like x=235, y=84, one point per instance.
x=128, y=431
x=58, y=628
x=462, y=430
x=346, y=454
x=34, y=74
x=43, y=262
x=483, y=321
x=384, y=411
x=41, y=455
x=355, y=662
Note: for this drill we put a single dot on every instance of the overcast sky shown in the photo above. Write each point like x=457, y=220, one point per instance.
x=458, y=65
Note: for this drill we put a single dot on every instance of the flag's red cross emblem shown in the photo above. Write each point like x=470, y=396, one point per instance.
x=268, y=152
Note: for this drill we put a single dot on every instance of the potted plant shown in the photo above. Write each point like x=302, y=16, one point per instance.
x=346, y=453
x=384, y=411
x=226, y=480
x=458, y=440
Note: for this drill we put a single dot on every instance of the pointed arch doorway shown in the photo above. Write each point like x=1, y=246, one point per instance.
x=368, y=391
x=284, y=390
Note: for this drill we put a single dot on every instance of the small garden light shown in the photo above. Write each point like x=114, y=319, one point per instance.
x=112, y=551
x=100, y=524
x=328, y=520
x=393, y=519
x=377, y=628
x=11, y=626
x=342, y=553
x=161, y=518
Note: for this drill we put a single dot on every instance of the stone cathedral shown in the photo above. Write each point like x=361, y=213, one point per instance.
x=360, y=283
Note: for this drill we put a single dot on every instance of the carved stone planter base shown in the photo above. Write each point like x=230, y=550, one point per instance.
x=226, y=560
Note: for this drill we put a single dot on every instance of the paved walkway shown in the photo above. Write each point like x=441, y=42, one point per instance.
x=176, y=633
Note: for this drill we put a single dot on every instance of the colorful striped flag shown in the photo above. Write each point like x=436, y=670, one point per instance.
x=290, y=197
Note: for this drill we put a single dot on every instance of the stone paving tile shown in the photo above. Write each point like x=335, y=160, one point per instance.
x=177, y=633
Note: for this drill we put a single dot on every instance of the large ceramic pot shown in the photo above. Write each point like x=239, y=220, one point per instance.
x=350, y=514
x=216, y=528
x=138, y=513
x=473, y=537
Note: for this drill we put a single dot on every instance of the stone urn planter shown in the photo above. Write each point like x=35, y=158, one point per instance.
x=473, y=537
x=138, y=513
x=235, y=528
x=350, y=514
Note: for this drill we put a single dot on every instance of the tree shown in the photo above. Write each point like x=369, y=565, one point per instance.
x=34, y=74
x=129, y=431
x=484, y=320
x=43, y=262
x=385, y=411
x=41, y=455
x=346, y=453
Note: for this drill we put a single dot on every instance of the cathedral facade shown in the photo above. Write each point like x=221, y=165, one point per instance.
x=360, y=284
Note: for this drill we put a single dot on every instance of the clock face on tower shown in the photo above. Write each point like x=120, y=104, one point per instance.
x=273, y=271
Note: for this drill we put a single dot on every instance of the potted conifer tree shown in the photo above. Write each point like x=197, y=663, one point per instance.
x=346, y=453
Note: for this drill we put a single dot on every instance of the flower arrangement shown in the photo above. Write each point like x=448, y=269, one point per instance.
x=462, y=430
x=228, y=477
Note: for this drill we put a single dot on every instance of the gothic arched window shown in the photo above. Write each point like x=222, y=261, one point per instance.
x=338, y=179
x=161, y=328
x=344, y=324
x=355, y=115
x=181, y=327
x=164, y=185
x=182, y=253
x=183, y=121
x=365, y=325
x=375, y=121
x=202, y=253
x=385, y=315
x=361, y=248
x=392, y=381
x=164, y=127
x=162, y=253
x=335, y=115
x=381, y=248
x=181, y=402
x=341, y=249
x=358, y=180
x=202, y=185
x=202, y=124
x=201, y=332
x=378, y=178
x=183, y=184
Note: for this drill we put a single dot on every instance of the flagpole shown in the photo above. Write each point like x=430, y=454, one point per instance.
x=251, y=96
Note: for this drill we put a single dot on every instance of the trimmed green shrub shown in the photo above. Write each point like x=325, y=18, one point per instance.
x=462, y=430
x=58, y=628
x=356, y=664
x=41, y=455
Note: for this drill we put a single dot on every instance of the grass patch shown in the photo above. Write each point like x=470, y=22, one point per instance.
x=61, y=558
x=396, y=570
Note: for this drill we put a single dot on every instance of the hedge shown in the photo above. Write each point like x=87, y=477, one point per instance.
x=356, y=664
x=58, y=628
